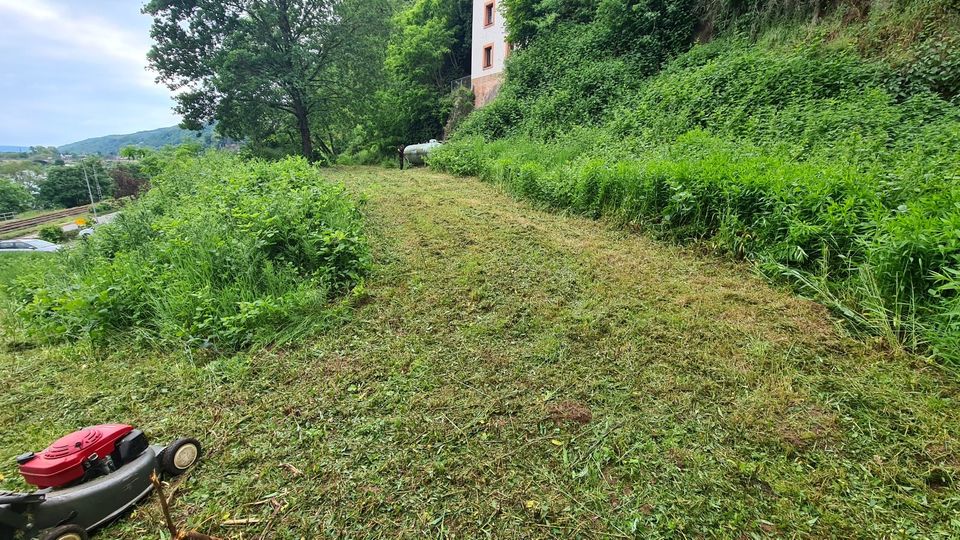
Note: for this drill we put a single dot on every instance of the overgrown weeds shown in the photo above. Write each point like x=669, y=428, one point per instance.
x=220, y=254
x=830, y=167
x=889, y=258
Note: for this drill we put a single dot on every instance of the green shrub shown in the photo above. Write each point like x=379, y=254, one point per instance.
x=53, y=233
x=457, y=106
x=14, y=197
x=105, y=207
x=220, y=254
x=429, y=48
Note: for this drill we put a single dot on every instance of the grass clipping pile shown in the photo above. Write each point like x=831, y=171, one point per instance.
x=221, y=254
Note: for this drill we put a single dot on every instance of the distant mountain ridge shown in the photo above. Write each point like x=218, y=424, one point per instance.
x=110, y=145
x=16, y=149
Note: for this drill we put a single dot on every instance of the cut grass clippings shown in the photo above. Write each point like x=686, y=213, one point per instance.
x=513, y=373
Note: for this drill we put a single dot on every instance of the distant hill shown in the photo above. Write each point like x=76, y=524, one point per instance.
x=156, y=138
x=16, y=149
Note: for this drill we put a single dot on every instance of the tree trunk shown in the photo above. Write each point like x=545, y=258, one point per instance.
x=303, y=126
x=306, y=141
x=324, y=148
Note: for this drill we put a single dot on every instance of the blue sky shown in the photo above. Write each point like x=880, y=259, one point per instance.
x=73, y=69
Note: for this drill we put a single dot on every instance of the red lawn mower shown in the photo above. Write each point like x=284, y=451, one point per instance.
x=86, y=480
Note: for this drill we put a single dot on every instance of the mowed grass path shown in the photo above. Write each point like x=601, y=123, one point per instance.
x=512, y=373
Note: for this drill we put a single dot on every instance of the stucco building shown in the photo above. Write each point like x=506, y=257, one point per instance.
x=490, y=50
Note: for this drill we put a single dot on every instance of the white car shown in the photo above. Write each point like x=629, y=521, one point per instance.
x=27, y=244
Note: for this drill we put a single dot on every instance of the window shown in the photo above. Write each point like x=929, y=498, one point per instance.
x=6, y=245
x=488, y=56
x=488, y=14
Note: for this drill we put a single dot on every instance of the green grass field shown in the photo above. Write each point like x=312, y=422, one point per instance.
x=513, y=373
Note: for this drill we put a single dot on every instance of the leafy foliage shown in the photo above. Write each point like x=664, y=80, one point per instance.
x=221, y=253
x=831, y=170
x=593, y=57
x=53, y=233
x=66, y=186
x=14, y=197
x=429, y=48
x=526, y=19
x=129, y=179
x=284, y=74
x=457, y=107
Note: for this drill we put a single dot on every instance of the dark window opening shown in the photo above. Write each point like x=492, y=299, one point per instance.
x=488, y=14
x=488, y=56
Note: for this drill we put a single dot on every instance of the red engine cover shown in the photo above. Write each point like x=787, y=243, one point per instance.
x=62, y=462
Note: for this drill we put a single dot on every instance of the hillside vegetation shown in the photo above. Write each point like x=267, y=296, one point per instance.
x=154, y=139
x=220, y=254
x=382, y=354
x=821, y=141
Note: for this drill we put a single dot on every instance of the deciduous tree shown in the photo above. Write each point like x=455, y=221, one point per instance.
x=129, y=179
x=13, y=197
x=430, y=48
x=269, y=68
x=67, y=186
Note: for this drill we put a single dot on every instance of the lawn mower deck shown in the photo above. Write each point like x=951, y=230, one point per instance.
x=87, y=479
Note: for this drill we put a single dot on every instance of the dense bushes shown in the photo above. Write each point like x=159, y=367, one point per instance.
x=429, y=48
x=13, y=197
x=69, y=186
x=220, y=253
x=129, y=179
x=824, y=167
x=580, y=59
x=52, y=233
x=825, y=224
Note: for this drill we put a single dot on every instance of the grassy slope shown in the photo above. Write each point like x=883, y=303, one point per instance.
x=454, y=403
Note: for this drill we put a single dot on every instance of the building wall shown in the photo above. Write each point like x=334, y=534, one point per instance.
x=486, y=80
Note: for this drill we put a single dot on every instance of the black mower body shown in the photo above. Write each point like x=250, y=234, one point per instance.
x=89, y=504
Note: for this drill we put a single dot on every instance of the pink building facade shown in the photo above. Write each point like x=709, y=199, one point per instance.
x=490, y=50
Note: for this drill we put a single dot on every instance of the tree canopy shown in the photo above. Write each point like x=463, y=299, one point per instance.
x=272, y=72
x=429, y=49
x=13, y=197
x=67, y=186
x=130, y=180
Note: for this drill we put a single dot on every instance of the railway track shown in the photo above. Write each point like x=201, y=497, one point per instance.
x=16, y=225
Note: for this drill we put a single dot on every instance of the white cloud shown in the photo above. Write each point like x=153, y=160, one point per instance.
x=74, y=69
x=64, y=35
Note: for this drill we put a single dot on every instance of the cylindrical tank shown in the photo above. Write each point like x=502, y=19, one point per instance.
x=415, y=153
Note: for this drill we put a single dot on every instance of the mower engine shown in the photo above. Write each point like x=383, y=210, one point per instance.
x=83, y=455
x=87, y=479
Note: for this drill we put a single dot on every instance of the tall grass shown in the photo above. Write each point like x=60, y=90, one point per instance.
x=819, y=139
x=806, y=159
x=826, y=226
x=220, y=254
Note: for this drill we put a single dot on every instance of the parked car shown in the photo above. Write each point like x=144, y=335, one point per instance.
x=30, y=244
